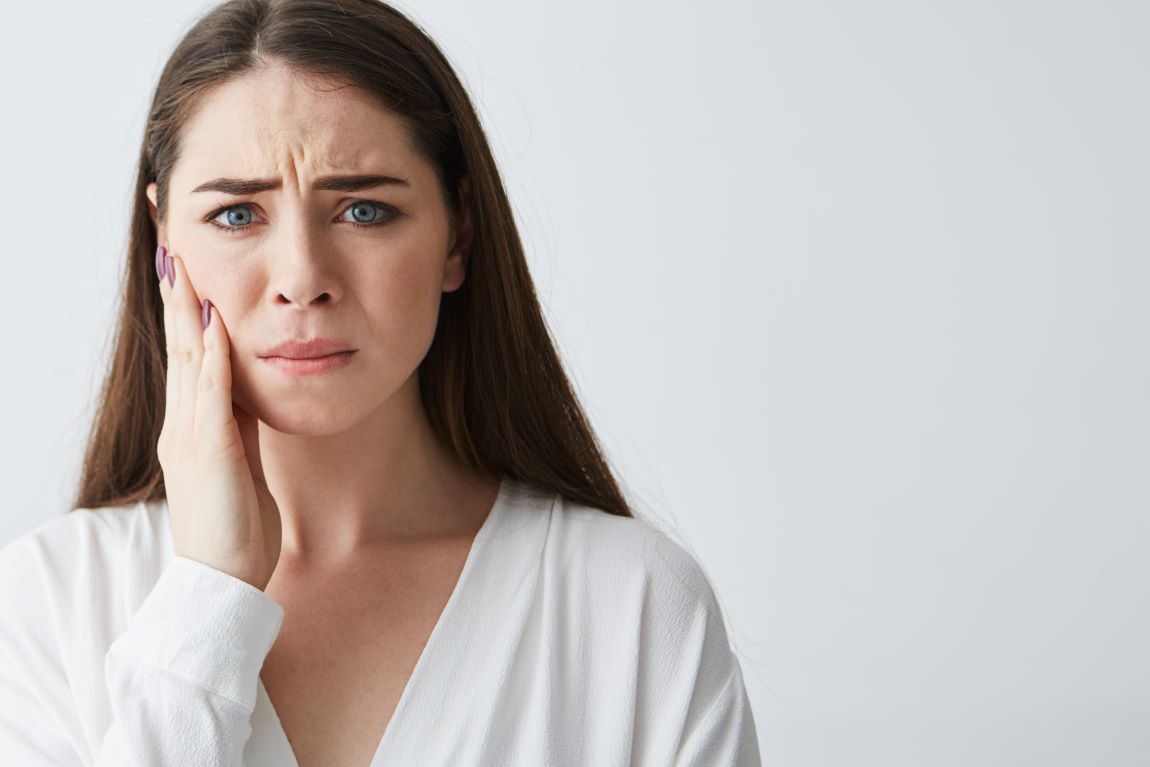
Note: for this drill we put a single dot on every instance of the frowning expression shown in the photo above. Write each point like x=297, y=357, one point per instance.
x=301, y=210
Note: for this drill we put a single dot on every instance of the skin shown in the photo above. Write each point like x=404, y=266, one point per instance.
x=349, y=456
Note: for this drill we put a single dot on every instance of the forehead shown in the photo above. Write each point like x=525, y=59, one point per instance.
x=276, y=121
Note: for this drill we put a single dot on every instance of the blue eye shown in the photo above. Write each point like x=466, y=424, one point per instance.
x=239, y=216
x=362, y=205
x=231, y=213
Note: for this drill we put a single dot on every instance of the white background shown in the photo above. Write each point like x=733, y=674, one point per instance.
x=855, y=295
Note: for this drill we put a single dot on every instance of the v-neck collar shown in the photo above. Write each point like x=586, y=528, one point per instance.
x=473, y=584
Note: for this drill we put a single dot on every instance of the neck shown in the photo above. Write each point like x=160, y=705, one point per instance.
x=384, y=481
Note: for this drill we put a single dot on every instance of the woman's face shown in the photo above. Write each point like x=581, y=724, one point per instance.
x=365, y=266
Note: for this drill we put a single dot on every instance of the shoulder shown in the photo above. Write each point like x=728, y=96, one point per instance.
x=78, y=540
x=76, y=570
x=67, y=529
x=66, y=586
x=631, y=550
x=630, y=571
x=649, y=618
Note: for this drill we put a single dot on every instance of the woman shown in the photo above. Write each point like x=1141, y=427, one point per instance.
x=340, y=505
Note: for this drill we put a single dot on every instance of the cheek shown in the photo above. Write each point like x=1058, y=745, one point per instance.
x=229, y=286
x=403, y=303
x=404, y=294
x=232, y=289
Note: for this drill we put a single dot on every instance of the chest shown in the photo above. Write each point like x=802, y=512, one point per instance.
x=348, y=647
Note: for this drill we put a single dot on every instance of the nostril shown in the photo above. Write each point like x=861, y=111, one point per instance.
x=322, y=298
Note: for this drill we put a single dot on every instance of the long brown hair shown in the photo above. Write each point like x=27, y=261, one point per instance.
x=492, y=384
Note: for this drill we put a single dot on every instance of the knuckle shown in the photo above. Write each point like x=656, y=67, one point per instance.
x=181, y=355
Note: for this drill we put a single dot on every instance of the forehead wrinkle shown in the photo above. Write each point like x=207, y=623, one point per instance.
x=268, y=126
x=280, y=152
x=286, y=156
x=306, y=153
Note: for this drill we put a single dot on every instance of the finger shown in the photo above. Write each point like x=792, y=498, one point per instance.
x=189, y=348
x=171, y=344
x=214, y=392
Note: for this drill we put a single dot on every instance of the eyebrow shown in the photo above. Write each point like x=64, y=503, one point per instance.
x=246, y=186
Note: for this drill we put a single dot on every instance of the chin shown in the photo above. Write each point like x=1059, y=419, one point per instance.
x=315, y=414
x=319, y=406
x=305, y=420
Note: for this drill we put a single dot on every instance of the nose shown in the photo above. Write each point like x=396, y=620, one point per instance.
x=303, y=267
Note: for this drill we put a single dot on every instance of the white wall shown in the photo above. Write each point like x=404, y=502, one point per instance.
x=854, y=293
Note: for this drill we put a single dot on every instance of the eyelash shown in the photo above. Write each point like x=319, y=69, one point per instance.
x=391, y=212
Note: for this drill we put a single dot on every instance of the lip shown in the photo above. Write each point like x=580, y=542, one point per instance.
x=312, y=365
x=306, y=350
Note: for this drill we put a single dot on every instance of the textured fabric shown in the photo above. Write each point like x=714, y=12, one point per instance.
x=573, y=637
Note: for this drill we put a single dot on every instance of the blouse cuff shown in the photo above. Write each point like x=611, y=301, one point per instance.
x=205, y=626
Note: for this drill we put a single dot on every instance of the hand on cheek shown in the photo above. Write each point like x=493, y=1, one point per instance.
x=222, y=513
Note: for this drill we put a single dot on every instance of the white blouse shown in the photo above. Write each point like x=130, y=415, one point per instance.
x=572, y=637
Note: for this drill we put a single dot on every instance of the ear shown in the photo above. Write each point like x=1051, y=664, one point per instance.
x=151, y=192
x=455, y=269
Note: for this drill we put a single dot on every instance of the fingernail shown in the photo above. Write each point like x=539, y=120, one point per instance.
x=161, y=252
x=171, y=267
x=206, y=313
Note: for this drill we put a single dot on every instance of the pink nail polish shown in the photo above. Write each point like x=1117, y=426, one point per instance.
x=171, y=267
x=206, y=313
x=161, y=252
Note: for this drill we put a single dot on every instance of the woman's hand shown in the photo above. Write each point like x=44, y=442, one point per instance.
x=221, y=511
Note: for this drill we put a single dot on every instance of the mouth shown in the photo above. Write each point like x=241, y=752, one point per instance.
x=303, y=350
x=306, y=366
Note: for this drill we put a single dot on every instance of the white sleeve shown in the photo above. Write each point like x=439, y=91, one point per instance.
x=182, y=677
x=724, y=732
x=699, y=709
